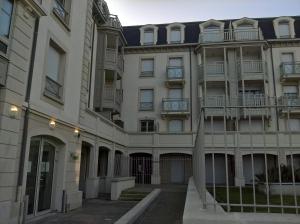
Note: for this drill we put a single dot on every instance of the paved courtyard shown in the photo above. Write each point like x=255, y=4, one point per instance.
x=95, y=211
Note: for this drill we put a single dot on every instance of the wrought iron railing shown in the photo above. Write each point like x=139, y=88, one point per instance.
x=101, y=8
x=110, y=55
x=61, y=11
x=113, y=21
x=290, y=68
x=175, y=105
x=53, y=88
x=175, y=72
x=215, y=68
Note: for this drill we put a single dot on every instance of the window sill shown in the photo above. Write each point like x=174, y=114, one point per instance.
x=146, y=75
x=146, y=110
x=53, y=98
x=62, y=22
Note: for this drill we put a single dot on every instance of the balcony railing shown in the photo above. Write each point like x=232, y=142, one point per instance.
x=175, y=105
x=111, y=94
x=290, y=69
x=119, y=96
x=253, y=100
x=60, y=10
x=175, y=72
x=230, y=35
x=290, y=101
x=114, y=22
x=253, y=66
x=110, y=55
x=53, y=88
x=215, y=68
x=100, y=10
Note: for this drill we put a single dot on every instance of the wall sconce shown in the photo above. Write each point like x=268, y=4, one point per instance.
x=52, y=124
x=13, y=112
x=76, y=132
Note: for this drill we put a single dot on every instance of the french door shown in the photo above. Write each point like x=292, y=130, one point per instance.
x=40, y=176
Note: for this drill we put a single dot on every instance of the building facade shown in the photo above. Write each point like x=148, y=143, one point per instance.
x=85, y=100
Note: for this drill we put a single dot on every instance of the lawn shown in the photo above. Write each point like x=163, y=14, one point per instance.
x=260, y=198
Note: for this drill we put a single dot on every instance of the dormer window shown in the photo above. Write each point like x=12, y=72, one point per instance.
x=211, y=31
x=246, y=29
x=175, y=33
x=284, y=27
x=148, y=35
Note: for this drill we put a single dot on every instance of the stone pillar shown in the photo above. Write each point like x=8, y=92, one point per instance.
x=111, y=163
x=282, y=157
x=125, y=165
x=239, y=179
x=155, y=176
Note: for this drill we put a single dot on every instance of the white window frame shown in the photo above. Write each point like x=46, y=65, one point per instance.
x=182, y=126
x=287, y=19
x=179, y=26
x=146, y=119
x=147, y=73
x=142, y=34
x=140, y=99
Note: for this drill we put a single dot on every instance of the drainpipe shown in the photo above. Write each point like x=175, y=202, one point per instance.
x=274, y=89
x=191, y=89
x=91, y=67
x=26, y=114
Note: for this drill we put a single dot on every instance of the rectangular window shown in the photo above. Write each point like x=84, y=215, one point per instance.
x=147, y=126
x=147, y=67
x=175, y=93
x=146, y=99
x=175, y=35
x=61, y=9
x=287, y=60
x=175, y=126
x=149, y=37
x=53, y=85
x=175, y=68
x=6, y=8
x=284, y=30
x=293, y=124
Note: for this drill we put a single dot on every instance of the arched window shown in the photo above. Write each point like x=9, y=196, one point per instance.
x=148, y=35
x=175, y=33
x=211, y=31
x=284, y=27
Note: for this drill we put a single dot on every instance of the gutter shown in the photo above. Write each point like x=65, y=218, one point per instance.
x=26, y=114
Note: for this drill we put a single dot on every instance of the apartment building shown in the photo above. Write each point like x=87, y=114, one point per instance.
x=85, y=100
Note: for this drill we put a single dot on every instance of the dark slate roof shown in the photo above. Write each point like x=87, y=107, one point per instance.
x=132, y=33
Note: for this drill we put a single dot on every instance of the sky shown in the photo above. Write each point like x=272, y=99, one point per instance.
x=137, y=12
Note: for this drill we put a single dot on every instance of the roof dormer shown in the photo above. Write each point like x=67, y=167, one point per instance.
x=245, y=23
x=175, y=33
x=284, y=27
x=148, y=35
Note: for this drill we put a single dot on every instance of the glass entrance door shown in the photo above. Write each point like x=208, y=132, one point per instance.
x=40, y=175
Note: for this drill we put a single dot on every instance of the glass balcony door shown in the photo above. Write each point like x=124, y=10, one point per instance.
x=40, y=176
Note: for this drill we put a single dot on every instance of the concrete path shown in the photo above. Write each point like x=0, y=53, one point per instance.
x=95, y=211
x=168, y=207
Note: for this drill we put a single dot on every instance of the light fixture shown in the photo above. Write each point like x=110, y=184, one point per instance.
x=13, y=111
x=76, y=132
x=52, y=124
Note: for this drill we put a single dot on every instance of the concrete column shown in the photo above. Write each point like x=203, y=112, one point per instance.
x=239, y=179
x=155, y=176
x=125, y=165
x=282, y=157
x=111, y=163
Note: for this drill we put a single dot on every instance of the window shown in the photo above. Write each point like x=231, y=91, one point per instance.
x=149, y=37
x=287, y=60
x=147, y=67
x=6, y=8
x=175, y=93
x=53, y=85
x=61, y=9
x=175, y=126
x=293, y=124
x=147, y=126
x=175, y=69
x=146, y=99
x=284, y=29
x=175, y=35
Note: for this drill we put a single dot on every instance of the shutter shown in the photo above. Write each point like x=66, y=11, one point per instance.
x=175, y=35
x=175, y=126
x=284, y=30
x=175, y=62
x=147, y=96
x=3, y=70
x=175, y=93
x=53, y=64
x=149, y=37
x=147, y=65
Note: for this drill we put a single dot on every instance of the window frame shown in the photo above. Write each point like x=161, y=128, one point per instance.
x=175, y=29
x=142, y=34
x=175, y=132
x=140, y=98
x=66, y=7
x=291, y=23
x=145, y=73
x=5, y=40
x=147, y=126
x=181, y=28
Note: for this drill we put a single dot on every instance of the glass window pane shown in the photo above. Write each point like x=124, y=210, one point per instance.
x=175, y=126
x=284, y=30
x=148, y=65
x=176, y=62
x=175, y=35
x=149, y=37
x=5, y=17
x=147, y=95
x=53, y=64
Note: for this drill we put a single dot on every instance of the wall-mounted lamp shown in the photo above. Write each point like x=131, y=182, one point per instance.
x=76, y=132
x=52, y=124
x=13, y=112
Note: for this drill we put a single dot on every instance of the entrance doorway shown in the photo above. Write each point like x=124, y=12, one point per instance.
x=141, y=167
x=84, y=168
x=40, y=171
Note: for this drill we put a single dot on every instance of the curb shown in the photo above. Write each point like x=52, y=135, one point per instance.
x=133, y=214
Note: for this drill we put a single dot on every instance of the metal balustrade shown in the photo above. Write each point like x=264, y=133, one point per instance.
x=245, y=164
x=101, y=9
x=175, y=105
x=114, y=22
x=253, y=66
x=110, y=55
x=216, y=68
x=290, y=69
x=230, y=35
x=53, y=88
x=175, y=72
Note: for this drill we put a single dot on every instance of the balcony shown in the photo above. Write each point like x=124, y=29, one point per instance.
x=175, y=107
x=289, y=105
x=213, y=71
x=213, y=105
x=100, y=11
x=113, y=22
x=112, y=98
x=251, y=69
x=290, y=71
x=254, y=105
x=175, y=76
x=216, y=36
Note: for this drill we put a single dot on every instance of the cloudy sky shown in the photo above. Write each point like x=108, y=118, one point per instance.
x=135, y=12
